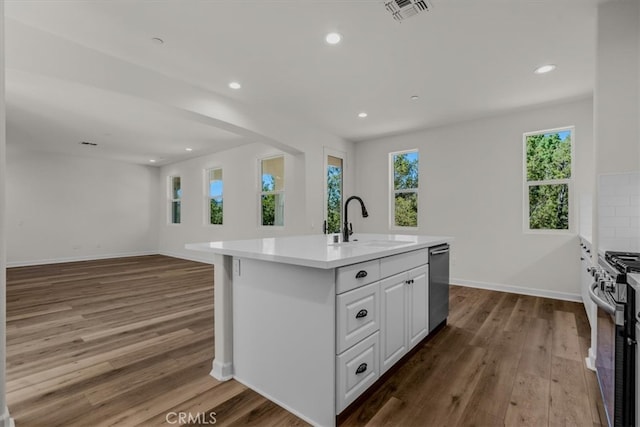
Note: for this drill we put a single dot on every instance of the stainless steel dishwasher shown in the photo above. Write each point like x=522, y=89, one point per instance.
x=438, y=285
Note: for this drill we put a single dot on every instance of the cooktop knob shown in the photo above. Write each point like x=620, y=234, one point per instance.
x=608, y=285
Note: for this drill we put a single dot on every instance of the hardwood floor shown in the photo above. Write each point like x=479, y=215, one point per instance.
x=129, y=342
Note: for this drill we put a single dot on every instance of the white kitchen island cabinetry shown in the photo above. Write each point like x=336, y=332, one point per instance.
x=404, y=314
x=308, y=327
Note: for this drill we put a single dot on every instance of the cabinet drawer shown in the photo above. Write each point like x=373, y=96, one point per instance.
x=402, y=262
x=356, y=370
x=357, y=315
x=355, y=275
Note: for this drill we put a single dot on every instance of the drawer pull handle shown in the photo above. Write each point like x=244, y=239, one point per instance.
x=361, y=274
x=361, y=368
x=362, y=313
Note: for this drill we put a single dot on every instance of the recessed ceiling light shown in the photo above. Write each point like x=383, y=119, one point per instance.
x=362, y=115
x=152, y=161
x=545, y=69
x=235, y=85
x=333, y=38
x=157, y=40
x=188, y=149
x=415, y=97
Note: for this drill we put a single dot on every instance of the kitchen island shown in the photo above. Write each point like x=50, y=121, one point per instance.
x=311, y=324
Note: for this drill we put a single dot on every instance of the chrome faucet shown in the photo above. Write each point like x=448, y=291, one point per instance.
x=348, y=228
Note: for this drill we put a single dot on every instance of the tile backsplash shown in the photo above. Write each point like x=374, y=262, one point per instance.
x=619, y=212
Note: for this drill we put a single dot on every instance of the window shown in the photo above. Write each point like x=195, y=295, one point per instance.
x=214, y=189
x=404, y=188
x=548, y=163
x=334, y=169
x=175, y=196
x=272, y=191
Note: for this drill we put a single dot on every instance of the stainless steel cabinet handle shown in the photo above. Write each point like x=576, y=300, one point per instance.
x=608, y=308
x=440, y=252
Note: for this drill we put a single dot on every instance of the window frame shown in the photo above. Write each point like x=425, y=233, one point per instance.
x=172, y=200
x=266, y=193
x=327, y=151
x=207, y=197
x=526, y=184
x=393, y=192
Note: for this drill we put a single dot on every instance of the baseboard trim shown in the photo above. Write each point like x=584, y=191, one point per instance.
x=76, y=259
x=590, y=360
x=221, y=371
x=5, y=418
x=207, y=259
x=518, y=290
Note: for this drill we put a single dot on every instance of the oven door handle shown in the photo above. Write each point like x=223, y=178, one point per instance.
x=608, y=308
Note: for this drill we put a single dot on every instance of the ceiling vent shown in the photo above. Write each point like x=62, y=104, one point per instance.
x=403, y=9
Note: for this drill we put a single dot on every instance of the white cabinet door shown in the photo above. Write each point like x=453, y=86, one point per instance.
x=418, y=291
x=393, y=320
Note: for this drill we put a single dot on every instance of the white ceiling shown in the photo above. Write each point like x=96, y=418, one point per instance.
x=464, y=59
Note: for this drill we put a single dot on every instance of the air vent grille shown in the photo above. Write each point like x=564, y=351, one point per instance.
x=403, y=9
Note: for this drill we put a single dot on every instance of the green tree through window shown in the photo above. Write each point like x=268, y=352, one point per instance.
x=405, y=189
x=272, y=191
x=175, y=199
x=334, y=198
x=215, y=196
x=548, y=175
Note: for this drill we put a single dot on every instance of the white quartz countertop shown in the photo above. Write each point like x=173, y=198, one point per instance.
x=319, y=251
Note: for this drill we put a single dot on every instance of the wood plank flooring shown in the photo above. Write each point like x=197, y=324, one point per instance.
x=126, y=342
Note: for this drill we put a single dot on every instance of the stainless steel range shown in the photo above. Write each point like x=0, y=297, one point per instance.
x=616, y=338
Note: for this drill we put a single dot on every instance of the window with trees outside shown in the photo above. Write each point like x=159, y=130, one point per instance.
x=272, y=191
x=175, y=196
x=334, y=193
x=214, y=196
x=404, y=188
x=548, y=164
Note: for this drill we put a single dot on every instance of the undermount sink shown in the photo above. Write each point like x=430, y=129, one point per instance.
x=372, y=243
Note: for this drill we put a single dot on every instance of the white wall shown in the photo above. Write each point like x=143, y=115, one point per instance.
x=616, y=117
x=62, y=208
x=471, y=187
x=4, y=412
x=304, y=178
x=617, y=87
